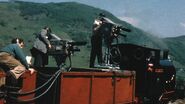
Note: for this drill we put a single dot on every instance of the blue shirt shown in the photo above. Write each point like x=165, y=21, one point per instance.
x=17, y=52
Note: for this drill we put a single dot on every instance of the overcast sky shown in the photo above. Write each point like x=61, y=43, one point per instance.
x=163, y=18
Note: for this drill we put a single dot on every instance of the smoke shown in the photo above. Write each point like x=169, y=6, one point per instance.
x=131, y=20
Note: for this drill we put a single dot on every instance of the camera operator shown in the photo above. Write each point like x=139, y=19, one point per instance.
x=40, y=47
x=104, y=29
x=96, y=41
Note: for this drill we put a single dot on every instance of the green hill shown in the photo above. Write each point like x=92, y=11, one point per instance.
x=68, y=20
x=177, y=50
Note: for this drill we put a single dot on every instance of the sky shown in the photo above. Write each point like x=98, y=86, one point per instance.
x=163, y=18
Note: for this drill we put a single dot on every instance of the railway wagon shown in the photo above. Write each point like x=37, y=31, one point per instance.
x=79, y=86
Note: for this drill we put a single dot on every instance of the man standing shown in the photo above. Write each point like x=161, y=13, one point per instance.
x=40, y=47
x=96, y=41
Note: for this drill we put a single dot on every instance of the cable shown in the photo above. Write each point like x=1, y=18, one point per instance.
x=33, y=91
x=33, y=99
x=115, y=53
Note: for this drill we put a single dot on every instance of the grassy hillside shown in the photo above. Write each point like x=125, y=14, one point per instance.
x=177, y=50
x=68, y=20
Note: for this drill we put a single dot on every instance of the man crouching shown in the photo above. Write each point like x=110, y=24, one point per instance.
x=14, y=61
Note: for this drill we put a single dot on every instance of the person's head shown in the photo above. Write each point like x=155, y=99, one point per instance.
x=48, y=29
x=101, y=17
x=18, y=41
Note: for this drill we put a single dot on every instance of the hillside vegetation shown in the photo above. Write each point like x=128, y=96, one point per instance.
x=71, y=21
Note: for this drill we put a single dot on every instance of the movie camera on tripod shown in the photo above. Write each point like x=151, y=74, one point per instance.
x=111, y=31
x=116, y=30
x=63, y=49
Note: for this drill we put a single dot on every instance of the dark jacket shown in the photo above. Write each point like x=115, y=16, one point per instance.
x=17, y=52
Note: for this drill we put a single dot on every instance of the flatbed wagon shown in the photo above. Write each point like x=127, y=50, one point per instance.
x=79, y=86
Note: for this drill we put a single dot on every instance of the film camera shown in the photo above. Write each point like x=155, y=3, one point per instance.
x=64, y=47
x=61, y=49
x=111, y=31
x=116, y=29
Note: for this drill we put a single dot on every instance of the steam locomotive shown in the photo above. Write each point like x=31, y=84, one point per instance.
x=155, y=73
